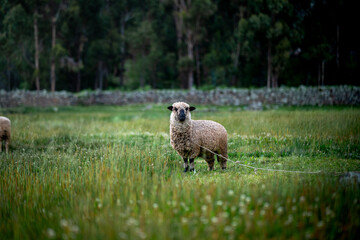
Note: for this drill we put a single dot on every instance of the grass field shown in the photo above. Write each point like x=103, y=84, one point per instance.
x=110, y=173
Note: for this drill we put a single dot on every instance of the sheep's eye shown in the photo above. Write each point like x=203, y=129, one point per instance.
x=175, y=109
x=187, y=109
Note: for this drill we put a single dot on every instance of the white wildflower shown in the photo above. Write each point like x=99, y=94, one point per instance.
x=329, y=212
x=228, y=229
x=233, y=209
x=140, y=233
x=242, y=197
x=251, y=213
x=289, y=220
x=262, y=212
x=214, y=220
x=74, y=228
x=219, y=203
x=204, y=208
x=132, y=222
x=320, y=224
x=50, y=233
x=63, y=223
x=307, y=214
x=242, y=211
x=204, y=220
x=225, y=215
x=333, y=195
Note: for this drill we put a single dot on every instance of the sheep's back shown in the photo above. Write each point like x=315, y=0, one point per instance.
x=209, y=134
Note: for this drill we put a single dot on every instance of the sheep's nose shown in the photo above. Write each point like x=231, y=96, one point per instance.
x=182, y=115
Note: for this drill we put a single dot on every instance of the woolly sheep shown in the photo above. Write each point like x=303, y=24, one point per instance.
x=5, y=132
x=186, y=137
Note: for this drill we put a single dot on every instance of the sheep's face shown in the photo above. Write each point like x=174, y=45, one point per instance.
x=180, y=111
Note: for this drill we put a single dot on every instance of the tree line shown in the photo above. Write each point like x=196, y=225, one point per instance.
x=130, y=44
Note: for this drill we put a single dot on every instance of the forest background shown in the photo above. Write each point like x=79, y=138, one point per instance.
x=74, y=45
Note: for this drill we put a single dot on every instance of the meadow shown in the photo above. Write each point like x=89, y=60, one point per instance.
x=109, y=172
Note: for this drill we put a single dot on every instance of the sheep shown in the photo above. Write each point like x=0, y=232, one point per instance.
x=5, y=132
x=196, y=138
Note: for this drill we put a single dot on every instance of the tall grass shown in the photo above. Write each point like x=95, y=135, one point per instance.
x=110, y=173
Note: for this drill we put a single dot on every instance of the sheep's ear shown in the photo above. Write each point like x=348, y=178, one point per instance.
x=170, y=108
x=192, y=108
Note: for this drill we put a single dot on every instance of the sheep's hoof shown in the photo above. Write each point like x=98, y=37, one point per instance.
x=223, y=168
x=192, y=169
x=186, y=169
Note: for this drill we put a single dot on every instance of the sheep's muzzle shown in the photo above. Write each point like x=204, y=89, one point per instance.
x=182, y=115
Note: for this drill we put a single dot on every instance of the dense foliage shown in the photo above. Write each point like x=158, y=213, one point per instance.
x=129, y=44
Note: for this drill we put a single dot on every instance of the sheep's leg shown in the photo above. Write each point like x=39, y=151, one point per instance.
x=222, y=160
x=7, y=146
x=191, y=164
x=210, y=160
x=186, y=165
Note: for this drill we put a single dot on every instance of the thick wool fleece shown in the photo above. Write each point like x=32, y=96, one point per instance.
x=5, y=132
x=187, y=136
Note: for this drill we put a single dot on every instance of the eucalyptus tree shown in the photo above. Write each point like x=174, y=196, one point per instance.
x=15, y=42
x=190, y=18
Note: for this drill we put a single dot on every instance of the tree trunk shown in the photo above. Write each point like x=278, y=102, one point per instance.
x=337, y=52
x=122, y=47
x=198, y=73
x=100, y=81
x=274, y=79
x=337, y=46
x=53, y=42
x=154, y=77
x=269, y=65
x=236, y=65
x=319, y=74
x=78, y=81
x=191, y=70
x=323, y=73
x=36, y=42
x=179, y=34
x=79, y=61
x=238, y=48
x=190, y=52
x=8, y=73
x=142, y=78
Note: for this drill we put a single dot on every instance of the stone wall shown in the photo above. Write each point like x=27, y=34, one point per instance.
x=250, y=98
